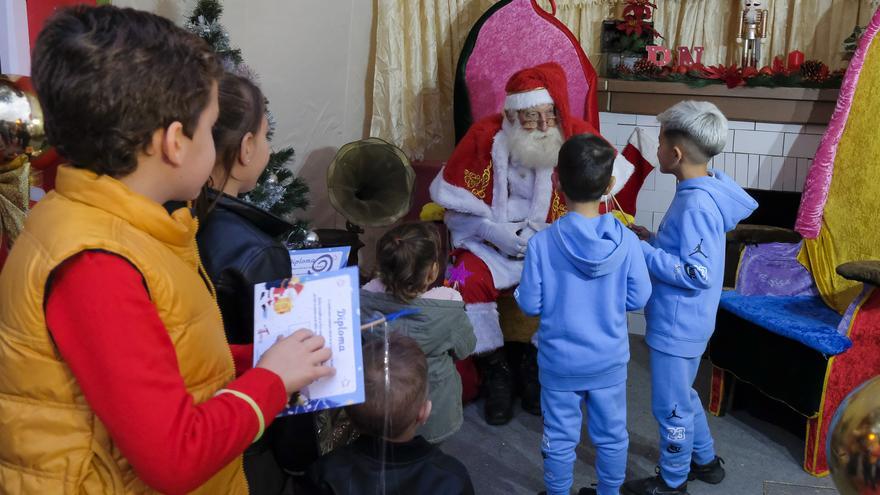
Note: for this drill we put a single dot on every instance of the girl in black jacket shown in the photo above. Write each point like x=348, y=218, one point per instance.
x=239, y=248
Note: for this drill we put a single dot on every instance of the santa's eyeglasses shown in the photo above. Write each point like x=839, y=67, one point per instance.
x=532, y=119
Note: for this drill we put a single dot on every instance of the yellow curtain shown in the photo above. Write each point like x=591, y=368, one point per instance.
x=418, y=43
x=417, y=47
x=815, y=27
x=584, y=19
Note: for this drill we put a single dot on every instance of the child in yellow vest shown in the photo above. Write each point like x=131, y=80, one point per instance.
x=115, y=375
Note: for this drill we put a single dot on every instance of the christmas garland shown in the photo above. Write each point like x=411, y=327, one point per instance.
x=810, y=74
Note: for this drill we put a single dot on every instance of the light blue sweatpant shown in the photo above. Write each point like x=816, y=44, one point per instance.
x=684, y=433
x=606, y=411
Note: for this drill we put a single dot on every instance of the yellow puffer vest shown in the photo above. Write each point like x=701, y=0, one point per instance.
x=50, y=440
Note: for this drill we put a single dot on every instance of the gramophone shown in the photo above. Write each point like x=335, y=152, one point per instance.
x=370, y=183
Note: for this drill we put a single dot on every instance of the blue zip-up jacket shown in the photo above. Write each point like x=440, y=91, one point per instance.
x=686, y=262
x=581, y=275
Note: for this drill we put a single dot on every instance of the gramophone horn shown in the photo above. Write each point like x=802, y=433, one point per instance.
x=370, y=182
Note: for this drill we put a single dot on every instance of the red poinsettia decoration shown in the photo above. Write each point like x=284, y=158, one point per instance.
x=636, y=14
x=640, y=9
x=749, y=72
x=731, y=75
x=779, y=67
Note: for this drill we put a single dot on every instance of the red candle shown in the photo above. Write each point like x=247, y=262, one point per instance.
x=795, y=59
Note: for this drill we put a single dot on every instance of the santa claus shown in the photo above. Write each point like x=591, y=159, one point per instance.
x=498, y=190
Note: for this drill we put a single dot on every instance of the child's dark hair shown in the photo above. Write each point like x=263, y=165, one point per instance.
x=242, y=107
x=407, y=391
x=585, y=165
x=405, y=256
x=109, y=77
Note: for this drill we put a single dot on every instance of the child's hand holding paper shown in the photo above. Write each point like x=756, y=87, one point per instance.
x=328, y=305
x=298, y=359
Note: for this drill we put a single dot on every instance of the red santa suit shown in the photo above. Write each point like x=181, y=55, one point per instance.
x=482, y=184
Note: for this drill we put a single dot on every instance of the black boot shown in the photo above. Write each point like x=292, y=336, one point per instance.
x=582, y=491
x=497, y=387
x=531, y=387
x=711, y=473
x=653, y=486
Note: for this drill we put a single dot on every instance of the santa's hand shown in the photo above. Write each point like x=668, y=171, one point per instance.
x=504, y=235
x=533, y=228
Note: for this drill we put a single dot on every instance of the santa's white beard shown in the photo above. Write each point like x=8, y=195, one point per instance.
x=533, y=149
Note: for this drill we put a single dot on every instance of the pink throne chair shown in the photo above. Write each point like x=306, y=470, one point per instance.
x=511, y=35
x=514, y=35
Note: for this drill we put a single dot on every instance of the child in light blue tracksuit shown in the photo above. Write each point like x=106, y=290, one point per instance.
x=581, y=275
x=686, y=262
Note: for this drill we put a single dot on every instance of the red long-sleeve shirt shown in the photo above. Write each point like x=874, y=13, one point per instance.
x=109, y=333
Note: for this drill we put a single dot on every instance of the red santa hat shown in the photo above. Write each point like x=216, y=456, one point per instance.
x=540, y=85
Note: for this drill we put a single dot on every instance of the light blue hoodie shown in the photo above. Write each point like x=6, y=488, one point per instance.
x=581, y=275
x=686, y=262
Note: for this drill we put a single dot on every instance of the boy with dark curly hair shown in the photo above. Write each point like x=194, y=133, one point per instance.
x=116, y=376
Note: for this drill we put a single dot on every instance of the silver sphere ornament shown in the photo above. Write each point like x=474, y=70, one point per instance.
x=21, y=123
x=312, y=239
x=854, y=441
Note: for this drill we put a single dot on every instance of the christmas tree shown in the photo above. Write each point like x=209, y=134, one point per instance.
x=278, y=191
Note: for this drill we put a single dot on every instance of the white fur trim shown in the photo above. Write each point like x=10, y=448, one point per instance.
x=500, y=169
x=374, y=285
x=487, y=327
x=542, y=197
x=457, y=198
x=527, y=99
x=518, y=210
x=442, y=294
x=646, y=144
x=622, y=171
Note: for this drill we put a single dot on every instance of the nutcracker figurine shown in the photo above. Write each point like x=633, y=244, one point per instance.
x=752, y=29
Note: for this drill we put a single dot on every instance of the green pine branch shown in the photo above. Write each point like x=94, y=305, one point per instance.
x=211, y=10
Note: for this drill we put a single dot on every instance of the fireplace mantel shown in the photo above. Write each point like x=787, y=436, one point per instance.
x=780, y=105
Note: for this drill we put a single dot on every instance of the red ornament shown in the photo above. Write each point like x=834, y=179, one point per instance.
x=779, y=66
x=766, y=71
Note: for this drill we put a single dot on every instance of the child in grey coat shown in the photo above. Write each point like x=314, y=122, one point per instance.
x=408, y=261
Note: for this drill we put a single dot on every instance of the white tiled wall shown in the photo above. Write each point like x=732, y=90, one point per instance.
x=757, y=155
